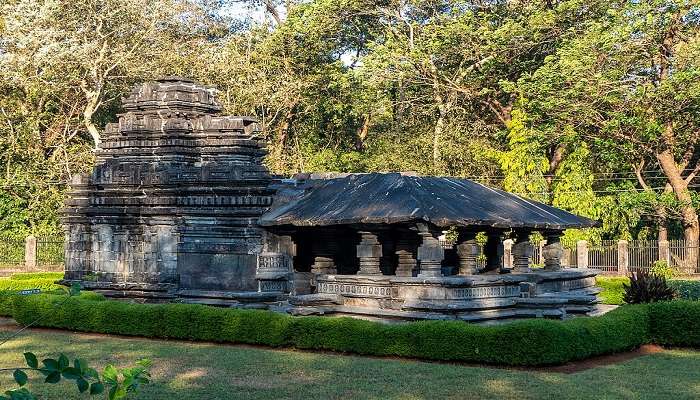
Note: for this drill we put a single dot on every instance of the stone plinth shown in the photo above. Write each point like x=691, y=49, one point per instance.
x=471, y=298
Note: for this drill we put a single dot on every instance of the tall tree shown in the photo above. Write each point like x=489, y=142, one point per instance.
x=631, y=82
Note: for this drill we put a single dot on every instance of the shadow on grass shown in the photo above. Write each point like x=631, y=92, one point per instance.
x=210, y=371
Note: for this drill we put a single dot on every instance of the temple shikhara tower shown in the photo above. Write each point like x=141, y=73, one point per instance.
x=180, y=206
x=174, y=198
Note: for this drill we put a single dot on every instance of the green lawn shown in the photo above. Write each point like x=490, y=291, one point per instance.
x=209, y=371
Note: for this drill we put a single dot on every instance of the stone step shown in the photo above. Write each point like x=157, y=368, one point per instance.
x=315, y=299
x=140, y=294
x=458, y=305
x=245, y=297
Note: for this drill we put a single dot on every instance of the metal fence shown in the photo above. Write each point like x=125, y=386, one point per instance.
x=642, y=254
x=603, y=256
x=44, y=253
x=11, y=252
x=49, y=253
x=684, y=256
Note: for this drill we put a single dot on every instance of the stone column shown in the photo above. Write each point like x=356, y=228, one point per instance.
x=623, y=254
x=323, y=251
x=404, y=254
x=508, y=253
x=665, y=252
x=30, y=251
x=467, y=251
x=582, y=254
x=494, y=251
x=522, y=249
x=552, y=251
x=369, y=251
x=430, y=253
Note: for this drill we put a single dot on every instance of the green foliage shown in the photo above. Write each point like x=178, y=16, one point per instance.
x=20, y=276
x=526, y=342
x=43, y=284
x=686, y=289
x=675, y=323
x=645, y=287
x=121, y=382
x=613, y=289
x=662, y=269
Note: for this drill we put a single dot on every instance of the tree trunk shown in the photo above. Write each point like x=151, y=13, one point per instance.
x=282, y=136
x=88, y=112
x=689, y=217
x=362, y=132
x=437, y=139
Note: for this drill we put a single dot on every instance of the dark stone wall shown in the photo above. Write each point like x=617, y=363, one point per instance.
x=174, y=197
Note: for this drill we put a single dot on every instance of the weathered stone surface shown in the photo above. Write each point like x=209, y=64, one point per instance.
x=174, y=196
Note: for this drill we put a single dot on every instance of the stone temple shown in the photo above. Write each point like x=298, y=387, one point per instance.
x=180, y=207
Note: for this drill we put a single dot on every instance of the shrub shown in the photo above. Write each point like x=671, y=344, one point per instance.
x=661, y=268
x=647, y=288
x=675, y=323
x=42, y=284
x=36, y=275
x=525, y=342
x=612, y=289
x=688, y=290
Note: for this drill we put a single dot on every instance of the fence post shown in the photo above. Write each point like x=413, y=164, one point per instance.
x=30, y=251
x=623, y=257
x=665, y=252
x=582, y=254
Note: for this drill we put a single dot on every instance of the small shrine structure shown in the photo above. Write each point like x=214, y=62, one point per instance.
x=180, y=206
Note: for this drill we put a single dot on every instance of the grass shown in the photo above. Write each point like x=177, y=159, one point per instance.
x=208, y=371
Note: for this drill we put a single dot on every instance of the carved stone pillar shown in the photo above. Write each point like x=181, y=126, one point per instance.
x=323, y=251
x=275, y=266
x=522, y=249
x=430, y=253
x=369, y=252
x=494, y=251
x=553, y=251
x=467, y=251
x=405, y=255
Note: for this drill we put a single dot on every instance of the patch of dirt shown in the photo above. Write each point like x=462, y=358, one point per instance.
x=8, y=324
x=599, y=361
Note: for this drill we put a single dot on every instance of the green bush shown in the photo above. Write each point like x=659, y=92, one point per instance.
x=613, y=290
x=42, y=284
x=526, y=342
x=688, y=290
x=675, y=323
x=36, y=275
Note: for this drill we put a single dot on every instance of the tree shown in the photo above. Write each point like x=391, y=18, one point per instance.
x=630, y=82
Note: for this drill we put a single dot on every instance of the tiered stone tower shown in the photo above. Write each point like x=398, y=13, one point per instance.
x=174, y=198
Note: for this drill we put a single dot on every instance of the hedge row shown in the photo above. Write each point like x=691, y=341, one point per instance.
x=525, y=343
x=19, y=276
x=44, y=284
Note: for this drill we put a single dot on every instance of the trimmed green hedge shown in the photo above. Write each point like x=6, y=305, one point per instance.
x=687, y=290
x=612, y=289
x=675, y=323
x=19, y=276
x=526, y=342
x=43, y=284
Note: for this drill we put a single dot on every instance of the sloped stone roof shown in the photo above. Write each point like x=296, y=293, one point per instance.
x=387, y=198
